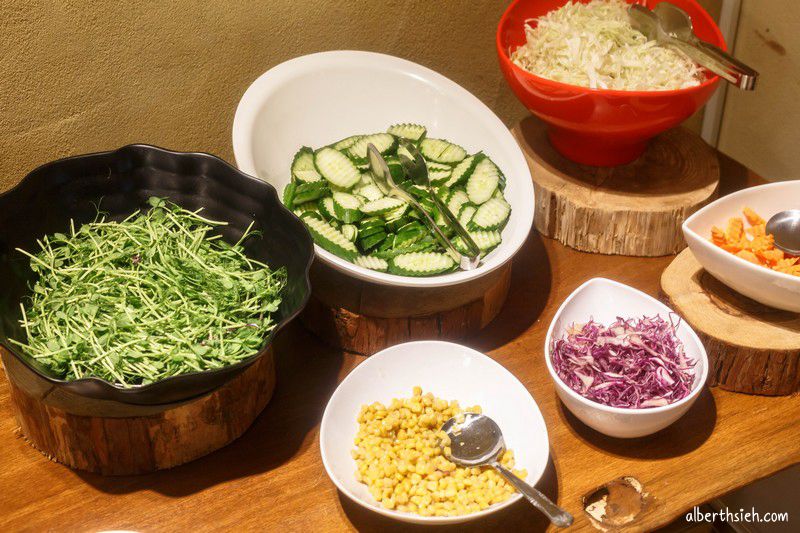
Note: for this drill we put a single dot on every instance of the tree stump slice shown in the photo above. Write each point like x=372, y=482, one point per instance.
x=751, y=348
x=364, y=318
x=112, y=438
x=635, y=209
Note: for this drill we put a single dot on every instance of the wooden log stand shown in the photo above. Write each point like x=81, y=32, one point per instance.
x=112, y=438
x=364, y=318
x=751, y=348
x=635, y=209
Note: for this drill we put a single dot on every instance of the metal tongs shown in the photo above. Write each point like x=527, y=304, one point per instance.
x=385, y=182
x=670, y=25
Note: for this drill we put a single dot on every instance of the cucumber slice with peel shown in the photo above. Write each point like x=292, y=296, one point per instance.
x=303, y=169
x=412, y=132
x=347, y=207
x=463, y=170
x=349, y=231
x=382, y=206
x=483, y=181
x=421, y=264
x=384, y=142
x=337, y=168
x=491, y=215
x=371, y=262
x=441, y=151
x=330, y=238
x=308, y=192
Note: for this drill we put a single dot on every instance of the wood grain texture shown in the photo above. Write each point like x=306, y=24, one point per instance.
x=272, y=478
x=752, y=348
x=364, y=318
x=112, y=438
x=635, y=209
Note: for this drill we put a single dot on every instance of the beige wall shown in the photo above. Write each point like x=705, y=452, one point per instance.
x=762, y=129
x=81, y=76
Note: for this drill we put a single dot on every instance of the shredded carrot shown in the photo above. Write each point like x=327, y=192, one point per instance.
x=754, y=244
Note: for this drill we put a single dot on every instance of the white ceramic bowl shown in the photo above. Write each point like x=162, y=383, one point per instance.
x=317, y=99
x=775, y=289
x=604, y=300
x=449, y=371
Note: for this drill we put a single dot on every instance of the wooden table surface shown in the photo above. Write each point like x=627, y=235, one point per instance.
x=272, y=477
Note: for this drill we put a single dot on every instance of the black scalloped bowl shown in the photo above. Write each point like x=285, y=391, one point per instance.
x=47, y=198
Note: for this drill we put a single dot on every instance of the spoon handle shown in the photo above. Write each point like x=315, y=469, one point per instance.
x=556, y=514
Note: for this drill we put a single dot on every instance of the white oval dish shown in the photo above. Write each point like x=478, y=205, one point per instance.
x=317, y=99
x=604, y=300
x=449, y=371
x=762, y=284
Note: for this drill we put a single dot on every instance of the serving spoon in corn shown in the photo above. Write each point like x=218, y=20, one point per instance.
x=476, y=440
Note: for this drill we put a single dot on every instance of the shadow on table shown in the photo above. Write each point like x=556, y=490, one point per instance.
x=688, y=433
x=307, y=373
x=531, y=279
x=520, y=516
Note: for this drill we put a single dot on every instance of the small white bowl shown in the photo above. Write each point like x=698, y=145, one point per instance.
x=317, y=99
x=604, y=300
x=762, y=284
x=449, y=371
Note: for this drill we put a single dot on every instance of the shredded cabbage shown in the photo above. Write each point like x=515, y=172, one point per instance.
x=634, y=363
x=594, y=45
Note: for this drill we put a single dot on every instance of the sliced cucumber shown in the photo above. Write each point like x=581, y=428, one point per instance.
x=382, y=206
x=421, y=264
x=349, y=231
x=457, y=199
x=347, y=207
x=466, y=213
x=326, y=208
x=486, y=240
x=441, y=151
x=369, y=192
x=308, y=207
x=330, y=238
x=418, y=246
x=463, y=170
x=308, y=192
x=288, y=195
x=492, y=215
x=384, y=142
x=483, y=181
x=412, y=132
x=303, y=169
x=367, y=243
x=371, y=262
x=336, y=168
x=346, y=143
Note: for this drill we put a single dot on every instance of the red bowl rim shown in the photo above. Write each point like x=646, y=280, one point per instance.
x=506, y=59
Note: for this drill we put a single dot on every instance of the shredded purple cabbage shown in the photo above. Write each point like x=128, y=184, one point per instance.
x=635, y=363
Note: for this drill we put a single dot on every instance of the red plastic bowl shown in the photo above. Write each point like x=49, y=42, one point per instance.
x=598, y=126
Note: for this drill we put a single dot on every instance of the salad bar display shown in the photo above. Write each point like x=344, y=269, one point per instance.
x=143, y=289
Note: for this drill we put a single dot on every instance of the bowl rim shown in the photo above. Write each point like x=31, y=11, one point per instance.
x=709, y=246
x=697, y=387
x=411, y=517
x=120, y=392
x=251, y=103
x=505, y=59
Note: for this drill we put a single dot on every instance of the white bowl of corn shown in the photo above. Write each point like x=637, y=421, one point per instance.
x=379, y=433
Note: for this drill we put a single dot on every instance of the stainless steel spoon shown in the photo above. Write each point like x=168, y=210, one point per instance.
x=417, y=170
x=677, y=23
x=385, y=182
x=478, y=441
x=785, y=227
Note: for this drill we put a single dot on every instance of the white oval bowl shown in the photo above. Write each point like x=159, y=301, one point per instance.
x=762, y=284
x=317, y=99
x=604, y=300
x=449, y=371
